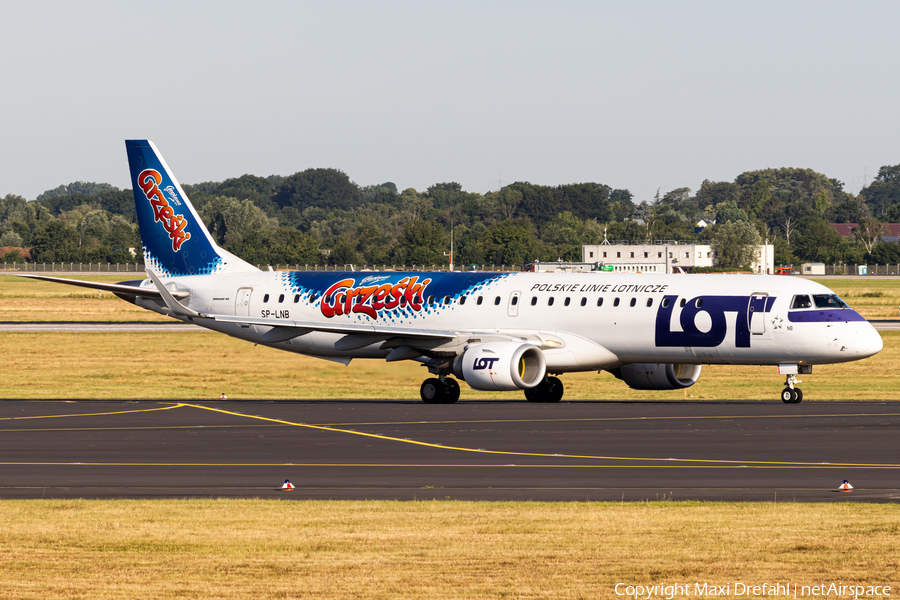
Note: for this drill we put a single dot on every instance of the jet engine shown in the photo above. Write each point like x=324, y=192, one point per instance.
x=657, y=376
x=501, y=366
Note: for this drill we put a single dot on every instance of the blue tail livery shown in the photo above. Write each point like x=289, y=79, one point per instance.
x=175, y=241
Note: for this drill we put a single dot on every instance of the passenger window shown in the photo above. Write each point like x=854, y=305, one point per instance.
x=649, y=302
x=479, y=301
x=446, y=299
x=584, y=301
x=600, y=301
x=633, y=301
x=550, y=301
x=296, y=298
x=801, y=302
x=281, y=298
x=699, y=303
x=665, y=303
x=682, y=303
x=402, y=301
x=616, y=302
x=567, y=301
x=462, y=300
x=515, y=300
x=265, y=298
x=496, y=300
x=313, y=297
x=534, y=300
x=430, y=299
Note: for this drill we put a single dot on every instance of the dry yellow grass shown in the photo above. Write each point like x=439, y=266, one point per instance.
x=276, y=549
x=24, y=299
x=202, y=365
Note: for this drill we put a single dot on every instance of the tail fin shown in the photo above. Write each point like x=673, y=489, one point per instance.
x=174, y=239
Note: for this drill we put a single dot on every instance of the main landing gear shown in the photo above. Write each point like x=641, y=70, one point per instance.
x=439, y=391
x=791, y=394
x=549, y=390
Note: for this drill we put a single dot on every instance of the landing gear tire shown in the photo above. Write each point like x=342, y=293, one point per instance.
x=452, y=391
x=792, y=396
x=549, y=390
x=432, y=391
x=436, y=391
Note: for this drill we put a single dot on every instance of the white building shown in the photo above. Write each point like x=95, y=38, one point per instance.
x=666, y=257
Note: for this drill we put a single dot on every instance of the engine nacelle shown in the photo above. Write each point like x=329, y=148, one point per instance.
x=501, y=366
x=657, y=376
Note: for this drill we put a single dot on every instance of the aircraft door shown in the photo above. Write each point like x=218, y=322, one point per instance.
x=513, y=308
x=242, y=302
x=756, y=314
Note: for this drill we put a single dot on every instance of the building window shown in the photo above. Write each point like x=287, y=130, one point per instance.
x=604, y=255
x=591, y=254
x=659, y=255
x=618, y=255
x=646, y=255
x=687, y=254
x=670, y=255
x=632, y=255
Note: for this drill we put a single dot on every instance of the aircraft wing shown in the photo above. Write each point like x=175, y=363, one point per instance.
x=116, y=288
x=345, y=328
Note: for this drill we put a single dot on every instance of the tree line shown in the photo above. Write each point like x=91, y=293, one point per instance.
x=320, y=216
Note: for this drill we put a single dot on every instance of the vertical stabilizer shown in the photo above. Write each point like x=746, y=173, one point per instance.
x=174, y=239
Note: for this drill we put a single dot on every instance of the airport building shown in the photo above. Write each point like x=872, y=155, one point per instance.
x=666, y=257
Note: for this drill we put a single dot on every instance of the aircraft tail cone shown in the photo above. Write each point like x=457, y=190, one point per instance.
x=845, y=487
x=287, y=486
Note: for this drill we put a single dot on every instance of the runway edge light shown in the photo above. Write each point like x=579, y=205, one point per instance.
x=289, y=487
x=845, y=487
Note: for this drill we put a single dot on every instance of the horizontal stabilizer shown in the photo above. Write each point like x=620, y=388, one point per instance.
x=116, y=288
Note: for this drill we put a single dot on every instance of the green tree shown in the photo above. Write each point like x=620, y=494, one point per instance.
x=422, y=243
x=737, y=244
x=229, y=220
x=815, y=240
x=56, y=242
x=509, y=242
x=326, y=188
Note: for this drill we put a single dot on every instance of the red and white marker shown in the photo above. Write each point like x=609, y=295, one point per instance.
x=288, y=486
x=845, y=487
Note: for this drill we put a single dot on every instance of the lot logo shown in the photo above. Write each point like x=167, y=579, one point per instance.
x=716, y=307
x=484, y=363
x=175, y=225
x=345, y=297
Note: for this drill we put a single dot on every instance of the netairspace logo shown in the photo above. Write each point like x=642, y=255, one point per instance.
x=739, y=589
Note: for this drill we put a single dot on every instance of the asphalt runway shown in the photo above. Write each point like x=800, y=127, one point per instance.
x=763, y=451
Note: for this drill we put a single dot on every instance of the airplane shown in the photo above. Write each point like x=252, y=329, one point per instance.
x=494, y=331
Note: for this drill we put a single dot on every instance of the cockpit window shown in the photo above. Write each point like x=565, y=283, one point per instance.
x=801, y=302
x=828, y=301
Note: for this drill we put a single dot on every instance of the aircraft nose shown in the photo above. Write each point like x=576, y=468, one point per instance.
x=870, y=342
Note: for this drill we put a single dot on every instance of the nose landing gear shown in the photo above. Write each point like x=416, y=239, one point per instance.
x=791, y=394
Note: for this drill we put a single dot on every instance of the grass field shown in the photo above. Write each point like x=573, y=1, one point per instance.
x=202, y=365
x=278, y=549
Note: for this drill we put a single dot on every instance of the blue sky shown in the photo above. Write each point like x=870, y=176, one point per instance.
x=637, y=95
